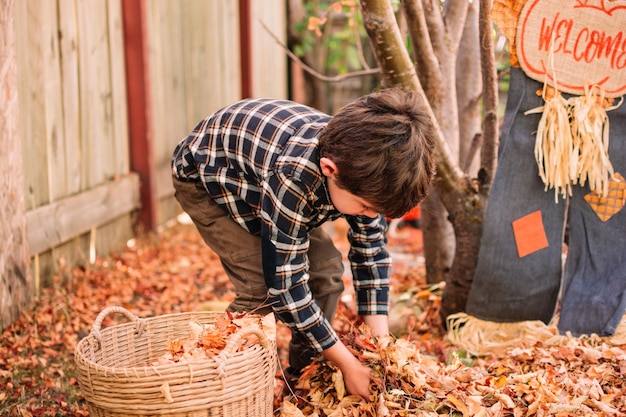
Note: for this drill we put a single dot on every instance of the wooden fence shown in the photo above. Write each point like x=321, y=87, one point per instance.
x=73, y=129
x=88, y=74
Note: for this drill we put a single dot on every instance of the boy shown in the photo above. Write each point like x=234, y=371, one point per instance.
x=259, y=178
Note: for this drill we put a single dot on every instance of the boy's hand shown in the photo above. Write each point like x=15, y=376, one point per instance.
x=357, y=380
x=356, y=376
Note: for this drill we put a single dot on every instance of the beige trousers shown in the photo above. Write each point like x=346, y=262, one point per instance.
x=240, y=255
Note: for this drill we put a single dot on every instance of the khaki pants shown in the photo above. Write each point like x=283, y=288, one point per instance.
x=240, y=255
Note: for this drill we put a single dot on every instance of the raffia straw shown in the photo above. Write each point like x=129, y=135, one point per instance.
x=590, y=128
x=481, y=337
x=555, y=152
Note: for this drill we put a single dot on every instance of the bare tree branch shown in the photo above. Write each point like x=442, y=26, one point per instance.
x=313, y=72
x=490, y=97
x=455, y=13
x=428, y=69
x=359, y=47
x=394, y=61
x=472, y=151
x=469, y=87
x=440, y=89
x=436, y=26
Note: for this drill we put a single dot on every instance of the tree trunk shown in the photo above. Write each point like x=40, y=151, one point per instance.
x=464, y=198
x=467, y=222
x=15, y=281
x=469, y=210
x=434, y=59
x=438, y=236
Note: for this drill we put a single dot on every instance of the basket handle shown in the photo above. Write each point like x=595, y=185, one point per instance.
x=233, y=342
x=97, y=325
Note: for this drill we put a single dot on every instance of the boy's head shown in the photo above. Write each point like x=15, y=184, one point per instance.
x=382, y=146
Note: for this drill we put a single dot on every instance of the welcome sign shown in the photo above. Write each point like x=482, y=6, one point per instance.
x=574, y=43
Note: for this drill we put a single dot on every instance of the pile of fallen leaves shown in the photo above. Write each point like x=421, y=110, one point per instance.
x=578, y=377
x=207, y=340
x=172, y=272
x=419, y=373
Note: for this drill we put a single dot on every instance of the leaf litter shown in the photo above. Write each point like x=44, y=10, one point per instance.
x=417, y=372
x=207, y=340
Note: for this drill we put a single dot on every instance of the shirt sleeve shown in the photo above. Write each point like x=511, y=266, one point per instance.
x=370, y=263
x=285, y=212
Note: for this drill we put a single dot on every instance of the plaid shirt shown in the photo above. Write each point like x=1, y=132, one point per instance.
x=259, y=160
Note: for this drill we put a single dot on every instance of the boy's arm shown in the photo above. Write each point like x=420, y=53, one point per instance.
x=284, y=235
x=371, y=265
x=378, y=323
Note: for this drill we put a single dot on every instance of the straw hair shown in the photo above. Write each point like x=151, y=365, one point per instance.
x=480, y=337
x=116, y=379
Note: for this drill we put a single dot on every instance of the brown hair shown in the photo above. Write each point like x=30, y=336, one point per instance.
x=383, y=146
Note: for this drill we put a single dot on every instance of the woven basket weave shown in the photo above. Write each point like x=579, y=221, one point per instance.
x=115, y=376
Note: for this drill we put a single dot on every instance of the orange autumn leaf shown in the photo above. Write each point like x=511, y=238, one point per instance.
x=175, y=347
x=225, y=324
x=213, y=339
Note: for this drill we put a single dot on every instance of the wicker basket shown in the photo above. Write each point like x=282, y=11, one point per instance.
x=116, y=379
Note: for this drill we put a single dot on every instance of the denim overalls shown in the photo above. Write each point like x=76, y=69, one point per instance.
x=591, y=284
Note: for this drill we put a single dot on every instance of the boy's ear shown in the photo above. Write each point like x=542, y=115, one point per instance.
x=329, y=168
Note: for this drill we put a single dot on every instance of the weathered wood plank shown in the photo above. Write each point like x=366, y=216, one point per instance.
x=164, y=181
x=163, y=33
x=228, y=50
x=53, y=99
x=30, y=52
x=81, y=250
x=68, y=46
x=47, y=264
x=269, y=76
x=167, y=75
x=119, y=112
x=201, y=59
x=78, y=214
x=95, y=93
x=111, y=237
x=15, y=277
x=211, y=57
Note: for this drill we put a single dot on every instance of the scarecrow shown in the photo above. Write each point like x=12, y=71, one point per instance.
x=553, y=250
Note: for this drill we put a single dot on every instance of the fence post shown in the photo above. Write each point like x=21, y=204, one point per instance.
x=15, y=278
x=140, y=110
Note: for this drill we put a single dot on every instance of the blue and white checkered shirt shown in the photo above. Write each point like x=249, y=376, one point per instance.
x=258, y=159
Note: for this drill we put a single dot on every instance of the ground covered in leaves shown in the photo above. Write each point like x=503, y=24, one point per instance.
x=418, y=373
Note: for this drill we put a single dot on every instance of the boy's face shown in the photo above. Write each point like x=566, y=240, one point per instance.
x=344, y=201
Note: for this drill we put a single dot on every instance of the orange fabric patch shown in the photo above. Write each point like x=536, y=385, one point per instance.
x=530, y=236
x=606, y=207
